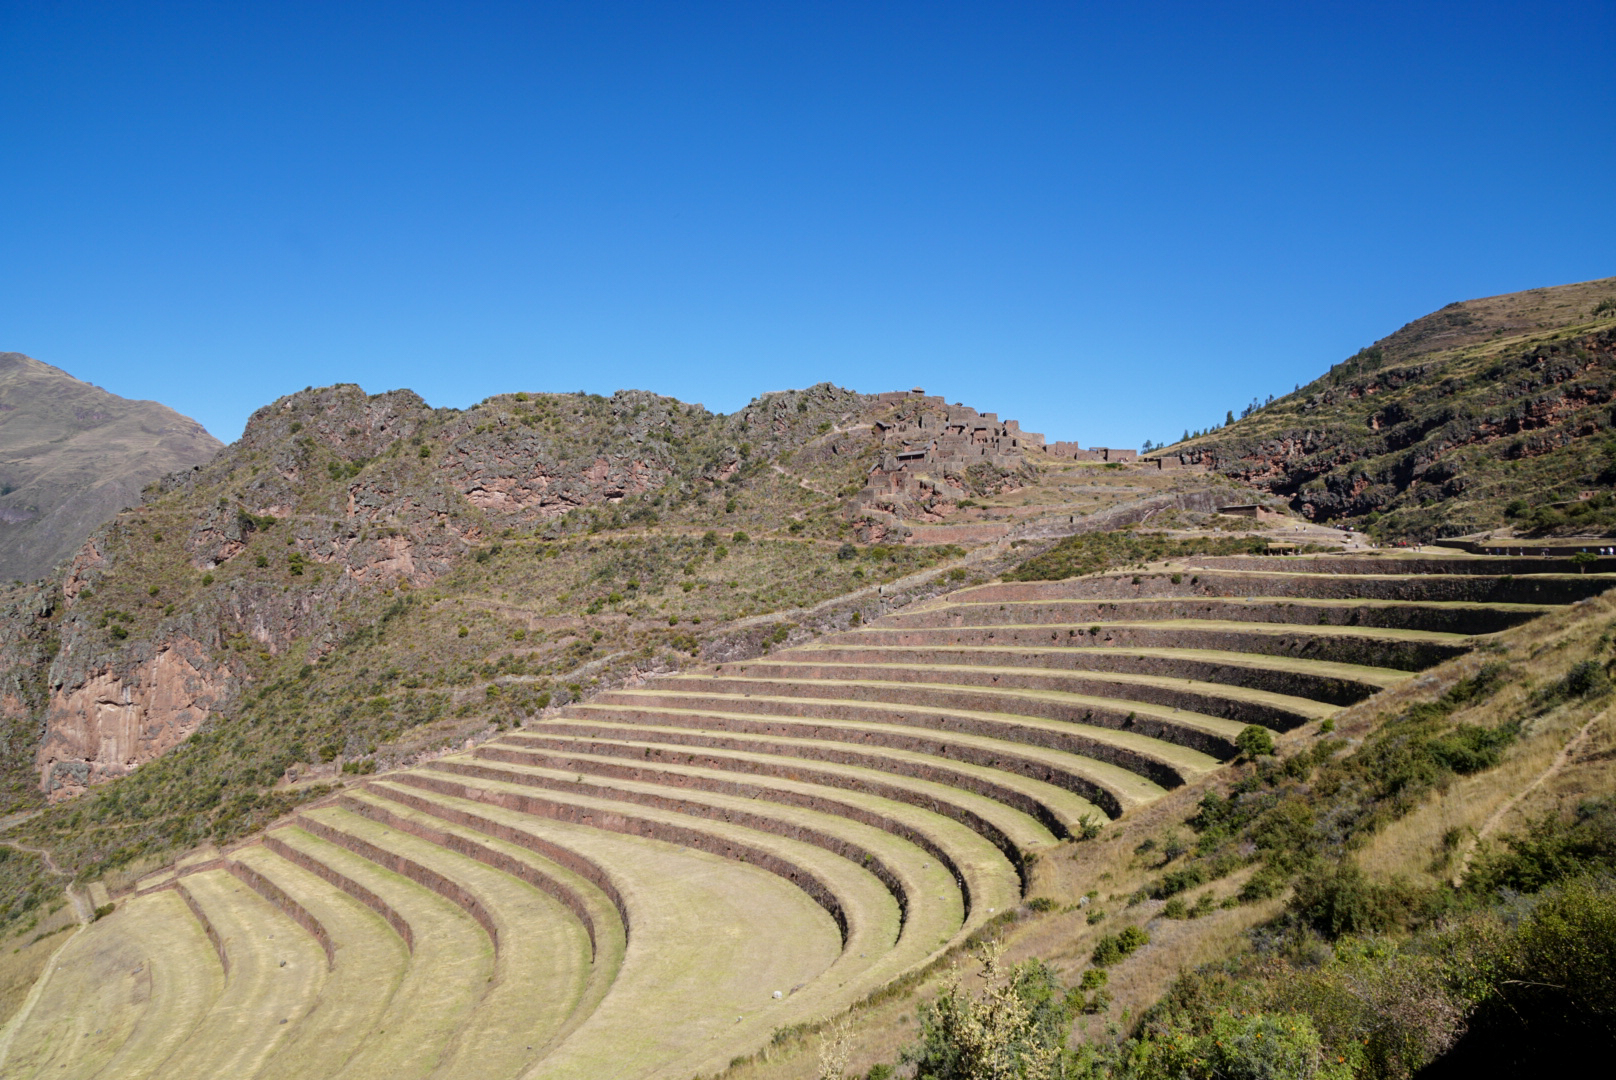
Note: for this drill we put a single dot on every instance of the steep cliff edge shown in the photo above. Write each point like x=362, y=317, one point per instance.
x=1485, y=414
x=72, y=455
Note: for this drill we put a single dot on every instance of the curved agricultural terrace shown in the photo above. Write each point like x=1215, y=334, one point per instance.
x=652, y=882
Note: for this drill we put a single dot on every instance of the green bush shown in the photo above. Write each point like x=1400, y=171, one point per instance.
x=1114, y=948
x=1254, y=742
x=1236, y=1045
x=1338, y=899
x=1469, y=749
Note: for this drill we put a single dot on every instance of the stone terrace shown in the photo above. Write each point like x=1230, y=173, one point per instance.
x=652, y=882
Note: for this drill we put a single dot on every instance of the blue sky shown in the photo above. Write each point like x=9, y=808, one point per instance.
x=1111, y=222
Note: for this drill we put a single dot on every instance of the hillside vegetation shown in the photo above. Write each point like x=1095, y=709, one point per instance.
x=1487, y=414
x=363, y=581
x=72, y=455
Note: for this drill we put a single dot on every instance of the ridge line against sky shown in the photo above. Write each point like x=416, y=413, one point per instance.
x=1111, y=224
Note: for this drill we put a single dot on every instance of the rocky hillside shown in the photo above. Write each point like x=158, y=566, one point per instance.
x=1485, y=414
x=362, y=581
x=72, y=455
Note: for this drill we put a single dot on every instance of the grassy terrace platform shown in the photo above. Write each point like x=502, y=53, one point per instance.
x=623, y=887
x=1243, y=705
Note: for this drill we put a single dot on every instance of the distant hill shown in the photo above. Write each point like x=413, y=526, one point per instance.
x=72, y=456
x=1488, y=413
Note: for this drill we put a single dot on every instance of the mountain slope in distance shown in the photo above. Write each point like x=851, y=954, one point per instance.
x=72, y=455
x=1487, y=414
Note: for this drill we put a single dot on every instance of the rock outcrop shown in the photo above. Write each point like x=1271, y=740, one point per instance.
x=109, y=725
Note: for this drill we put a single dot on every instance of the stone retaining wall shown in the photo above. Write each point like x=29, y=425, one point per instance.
x=834, y=752
x=293, y=910
x=346, y=884
x=1071, y=742
x=1203, y=700
x=1330, y=689
x=547, y=759
x=516, y=868
x=1340, y=648
x=630, y=825
x=584, y=868
x=1469, y=621
x=406, y=867
x=755, y=767
x=935, y=743
x=836, y=845
x=207, y=925
x=1430, y=588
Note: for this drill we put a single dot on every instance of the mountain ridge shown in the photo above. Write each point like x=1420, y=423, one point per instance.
x=1403, y=436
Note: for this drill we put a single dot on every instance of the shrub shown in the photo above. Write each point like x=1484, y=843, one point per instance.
x=1469, y=749
x=1114, y=948
x=846, y=551
x=1015, y=1029
x=1238, y=1046
x=1338, y=899
x=1549, y=850
x=1254, y=742
x=1587, y=679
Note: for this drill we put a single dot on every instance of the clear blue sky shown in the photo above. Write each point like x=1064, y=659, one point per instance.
x=1109, y=221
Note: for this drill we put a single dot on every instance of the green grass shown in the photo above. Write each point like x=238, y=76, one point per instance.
x=371, y=963
x=448, y=971
x=541, y=964
x=276, y=972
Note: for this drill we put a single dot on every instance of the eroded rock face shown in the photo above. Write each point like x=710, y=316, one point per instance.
x=110, y=725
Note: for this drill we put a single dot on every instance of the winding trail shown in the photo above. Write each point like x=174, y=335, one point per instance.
x=81, y=903
x=1496, y=818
